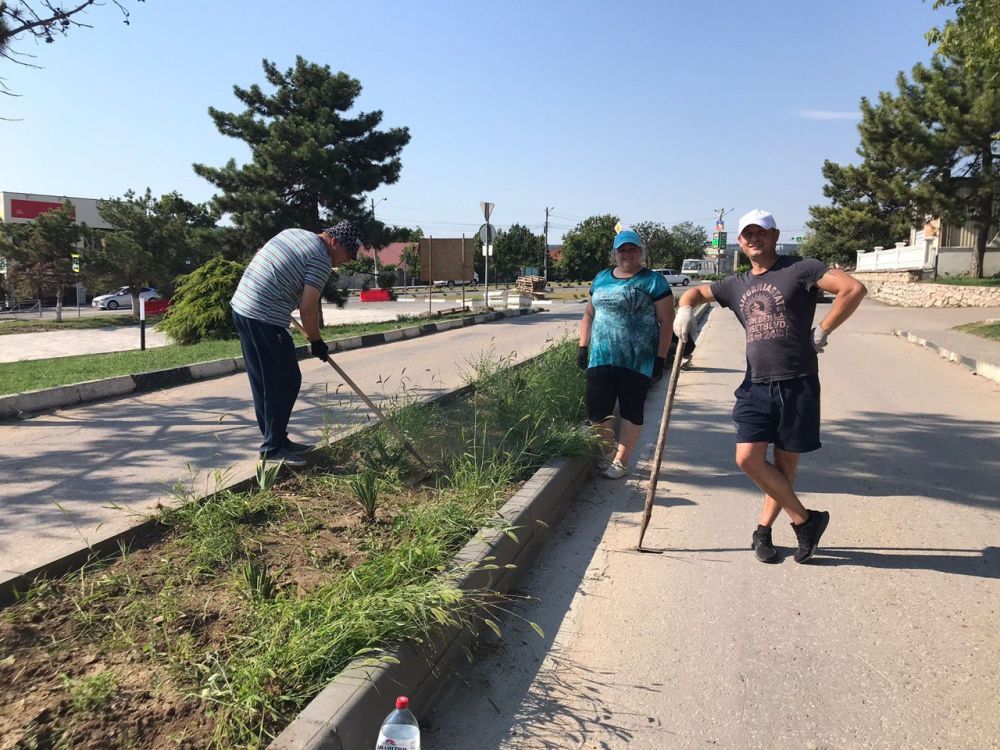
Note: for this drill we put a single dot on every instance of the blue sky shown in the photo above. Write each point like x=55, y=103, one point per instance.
x=662, y=111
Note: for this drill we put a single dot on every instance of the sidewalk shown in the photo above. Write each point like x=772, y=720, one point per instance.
x=75, y=477
x=17, y=347
x=882, y=641
x=933, y=328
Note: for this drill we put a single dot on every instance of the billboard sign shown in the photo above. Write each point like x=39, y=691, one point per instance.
x=445, y=260
x=27, y=210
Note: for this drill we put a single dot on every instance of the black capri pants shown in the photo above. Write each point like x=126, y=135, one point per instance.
x=608, y=384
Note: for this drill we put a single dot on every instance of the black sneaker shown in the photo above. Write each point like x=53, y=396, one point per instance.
x=809, y=533
x=293, y=460
x=762, y=545
x=293, y=447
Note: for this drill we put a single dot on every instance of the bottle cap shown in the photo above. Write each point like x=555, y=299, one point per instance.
x=402, y=702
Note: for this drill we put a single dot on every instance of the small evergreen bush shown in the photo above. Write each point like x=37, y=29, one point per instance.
x=200, y=306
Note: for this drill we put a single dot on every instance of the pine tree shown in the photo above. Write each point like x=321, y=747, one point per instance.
x=936, y=146
x=310, y=162
x=151, y=242
x=857, y=219
x=42, y=257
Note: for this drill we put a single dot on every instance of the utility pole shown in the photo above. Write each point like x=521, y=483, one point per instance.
x=545, y=252
x=719, y=240
x=374, y=250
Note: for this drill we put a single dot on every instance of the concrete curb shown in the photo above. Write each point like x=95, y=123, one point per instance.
x=987, y=370
x=17, y=405
x=347, y=713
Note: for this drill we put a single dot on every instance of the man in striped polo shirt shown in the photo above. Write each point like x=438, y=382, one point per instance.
x=289, y=271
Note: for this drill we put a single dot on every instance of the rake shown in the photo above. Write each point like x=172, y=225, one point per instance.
x=371, y=404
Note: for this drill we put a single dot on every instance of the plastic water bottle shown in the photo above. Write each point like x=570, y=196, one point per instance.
x=400, y=730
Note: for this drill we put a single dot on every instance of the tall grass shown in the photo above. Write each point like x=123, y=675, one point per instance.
x=284, y=643
x=519, y=418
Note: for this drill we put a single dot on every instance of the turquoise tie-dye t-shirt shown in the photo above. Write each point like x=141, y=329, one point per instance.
x=625, y=331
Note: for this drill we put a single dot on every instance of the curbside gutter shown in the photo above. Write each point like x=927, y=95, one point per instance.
x=347, y=713
x=987, y=370
x=17, y=405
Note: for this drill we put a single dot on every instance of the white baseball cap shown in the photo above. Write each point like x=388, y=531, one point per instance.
x=761, y=218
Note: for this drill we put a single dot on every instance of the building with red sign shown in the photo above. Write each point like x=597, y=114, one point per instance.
x=24, y=208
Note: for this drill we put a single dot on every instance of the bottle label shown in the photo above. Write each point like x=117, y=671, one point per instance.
x=388, y=743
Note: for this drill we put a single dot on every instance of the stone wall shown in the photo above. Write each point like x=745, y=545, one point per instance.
x=905, y=289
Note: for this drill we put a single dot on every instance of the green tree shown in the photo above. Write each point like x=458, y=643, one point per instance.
x=309, y=160
x=42, y=256
x=658, y=242
x=514, y=249
x=587, y=247
x=937, y=144
x=151, y=242
x=411, y=259
x=667, y=248
x=689, y=242
x=860, y=215
x=973, y=36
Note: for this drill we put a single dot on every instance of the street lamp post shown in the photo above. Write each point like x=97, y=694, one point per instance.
x=375, y=250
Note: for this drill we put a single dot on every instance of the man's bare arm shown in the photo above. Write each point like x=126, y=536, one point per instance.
x=309, y=311
x=848, y=293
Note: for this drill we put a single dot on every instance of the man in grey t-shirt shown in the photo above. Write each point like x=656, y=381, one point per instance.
x=779, y=400
x=289, y=271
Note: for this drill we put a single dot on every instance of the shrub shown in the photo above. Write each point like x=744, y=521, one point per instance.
x=200, y=306
x=387, y=277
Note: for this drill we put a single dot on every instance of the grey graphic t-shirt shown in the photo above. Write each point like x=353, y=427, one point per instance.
x=776, y=308
x=626, y=332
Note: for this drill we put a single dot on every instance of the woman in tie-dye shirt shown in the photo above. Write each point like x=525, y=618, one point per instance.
x=624, y=339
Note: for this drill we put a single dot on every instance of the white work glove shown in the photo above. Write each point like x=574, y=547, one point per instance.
x=819, y=339
x=684, y=323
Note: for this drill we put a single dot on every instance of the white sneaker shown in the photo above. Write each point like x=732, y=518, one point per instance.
x=605, y=461
x=615, y=470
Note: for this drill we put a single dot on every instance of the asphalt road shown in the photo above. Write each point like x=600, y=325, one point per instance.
x=79, y=475
x=887, y=639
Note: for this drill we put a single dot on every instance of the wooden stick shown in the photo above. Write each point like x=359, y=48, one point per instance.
x=371, y=404
x=654, y=475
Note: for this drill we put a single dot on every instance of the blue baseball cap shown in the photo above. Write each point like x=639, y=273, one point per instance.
x=627, y=237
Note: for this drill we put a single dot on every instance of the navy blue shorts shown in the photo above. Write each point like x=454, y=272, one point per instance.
x=608, y=384
x=783, y=412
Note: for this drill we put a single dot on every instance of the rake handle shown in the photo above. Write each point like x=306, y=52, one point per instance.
x=371, y=404
x=668, y=407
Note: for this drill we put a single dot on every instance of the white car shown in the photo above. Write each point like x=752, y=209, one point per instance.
x=673, y=277
x=122, y=298
x=452, y=283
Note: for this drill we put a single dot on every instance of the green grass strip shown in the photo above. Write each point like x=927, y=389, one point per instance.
x=72, y=323
x=989, y=331
x=31, y=375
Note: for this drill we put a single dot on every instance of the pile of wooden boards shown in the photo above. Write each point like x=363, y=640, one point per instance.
x=530, y=286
